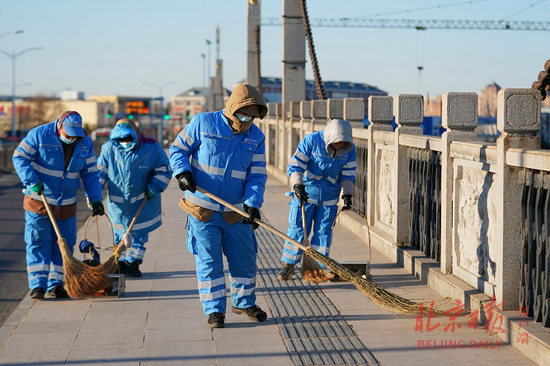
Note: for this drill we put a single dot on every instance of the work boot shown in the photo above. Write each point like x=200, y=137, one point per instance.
x=216, y=320
x=254, y=313
x=286, y=272
x=58, y=292
x=132, y=269
x=37, y=293
x=122, y=267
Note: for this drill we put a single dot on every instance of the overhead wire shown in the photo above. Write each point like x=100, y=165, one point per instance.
x=522, y=10
x=421, y=9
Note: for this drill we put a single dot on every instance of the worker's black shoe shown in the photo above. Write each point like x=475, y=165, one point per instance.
x=254, y=313
x=37, y=293
x=132, y=269
x=216, y=320
x=58, y=292
x=286, y=272
x=122, y=266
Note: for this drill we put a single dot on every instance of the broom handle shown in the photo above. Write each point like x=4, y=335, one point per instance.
x=306, y=239
x=242, y=213
x=130, y=227
x=50, y=214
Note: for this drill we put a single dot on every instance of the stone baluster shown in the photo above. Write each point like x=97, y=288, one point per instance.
x=318, y=113
x=459, y=118
x=335, y=109
x=354, y=112
x=305, y=119
x=380, y=115
x=518, y=121
x=409, y=115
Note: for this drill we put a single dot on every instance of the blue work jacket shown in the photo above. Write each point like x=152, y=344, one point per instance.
x=227, y=164
x=128, y=175
x=40, y=158
x=322, y=173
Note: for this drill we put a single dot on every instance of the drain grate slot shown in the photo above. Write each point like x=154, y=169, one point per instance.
x=312, y=328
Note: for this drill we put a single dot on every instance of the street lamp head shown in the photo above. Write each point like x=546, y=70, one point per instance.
x=17, y=32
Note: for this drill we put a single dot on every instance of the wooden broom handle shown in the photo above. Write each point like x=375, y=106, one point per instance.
x=137, y=214
x=244, y=214
x=50, y=214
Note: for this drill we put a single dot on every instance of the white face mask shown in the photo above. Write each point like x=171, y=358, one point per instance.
x=243, y=118
x=126, y=145
x=66, y=140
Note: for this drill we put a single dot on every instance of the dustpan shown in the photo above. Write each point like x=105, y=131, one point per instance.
x=92, y=257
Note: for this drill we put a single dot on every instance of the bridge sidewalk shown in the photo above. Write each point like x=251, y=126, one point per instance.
x=159, y=320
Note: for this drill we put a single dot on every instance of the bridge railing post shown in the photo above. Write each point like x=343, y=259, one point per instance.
x=459, y=118
x=518, y=121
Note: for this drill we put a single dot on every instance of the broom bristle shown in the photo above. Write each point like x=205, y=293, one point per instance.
x=80, y=279
x=111, y=264
x=379, y=295
x=313, y=272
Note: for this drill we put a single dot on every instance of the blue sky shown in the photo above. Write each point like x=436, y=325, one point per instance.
x=114, y=46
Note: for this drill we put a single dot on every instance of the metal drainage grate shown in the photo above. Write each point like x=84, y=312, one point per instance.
x=312, y=328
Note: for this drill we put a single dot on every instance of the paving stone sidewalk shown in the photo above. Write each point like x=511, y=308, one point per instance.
x=159, y=320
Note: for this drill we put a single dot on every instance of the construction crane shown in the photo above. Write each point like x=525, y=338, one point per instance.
x=422, y=24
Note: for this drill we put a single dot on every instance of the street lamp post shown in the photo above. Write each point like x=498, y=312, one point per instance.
x=203, y=72
x=161, y=99
x=14, y=57
x=208, y=67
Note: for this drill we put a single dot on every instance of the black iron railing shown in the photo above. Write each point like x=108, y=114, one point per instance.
x=534, y=294
x=360, y=188
x=425, y=201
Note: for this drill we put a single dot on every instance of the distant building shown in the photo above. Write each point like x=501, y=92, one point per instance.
x=190, y=103
x=487, y=102
x=72, y=95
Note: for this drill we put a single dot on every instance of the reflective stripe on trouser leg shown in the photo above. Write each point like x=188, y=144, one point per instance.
x=42, y=249
x=134, y=253
x=204, y=240
x=291, y=253
x=322, y=229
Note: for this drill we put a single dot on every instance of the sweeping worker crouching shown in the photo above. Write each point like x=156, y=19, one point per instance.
x=133, y=167
x=322, y=167
x=51, y=160
x=224, y=153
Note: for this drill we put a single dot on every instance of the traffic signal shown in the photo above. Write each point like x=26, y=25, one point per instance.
x=187, y=115
x=130, y=116
x=166, y=114
x=109, y=115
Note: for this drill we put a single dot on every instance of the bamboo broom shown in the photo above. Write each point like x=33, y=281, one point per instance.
x=311, y=270
x=80, y=278
x=379, y=295
x=111, y=264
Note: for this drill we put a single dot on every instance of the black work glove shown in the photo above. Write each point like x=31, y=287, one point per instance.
x=347, y=202
x=98, y=209
x=300, y=193
x=254, y=214
x=186, y=181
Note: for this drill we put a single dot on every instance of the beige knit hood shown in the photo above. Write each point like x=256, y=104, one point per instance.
x=243, y=96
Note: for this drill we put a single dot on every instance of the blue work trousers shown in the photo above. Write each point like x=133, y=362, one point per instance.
x=209, y=242
x=321, y=217
x=44, y=260
x=136, y=251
